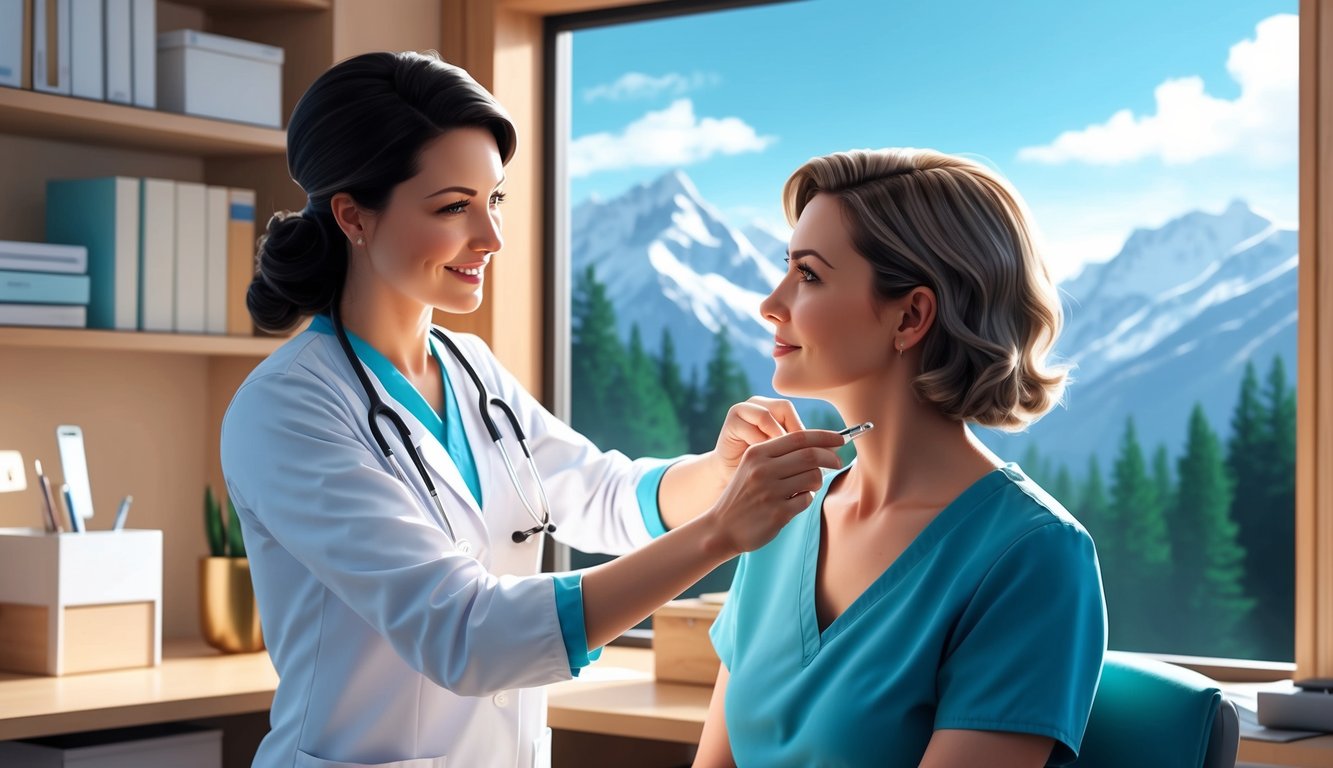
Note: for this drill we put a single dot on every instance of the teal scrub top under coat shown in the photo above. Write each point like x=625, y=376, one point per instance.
x=991, y=619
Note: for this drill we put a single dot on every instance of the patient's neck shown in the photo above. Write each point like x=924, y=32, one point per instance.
x=914, y=458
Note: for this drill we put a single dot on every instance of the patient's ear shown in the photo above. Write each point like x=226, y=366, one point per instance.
x=917, y=315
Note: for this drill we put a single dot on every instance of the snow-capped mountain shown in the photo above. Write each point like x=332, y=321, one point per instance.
x=1161, y=278
x=1170, y=320
x=770, y=242
x=669, y=260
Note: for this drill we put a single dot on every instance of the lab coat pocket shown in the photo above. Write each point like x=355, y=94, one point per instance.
x=305, y=760
x=541, y=750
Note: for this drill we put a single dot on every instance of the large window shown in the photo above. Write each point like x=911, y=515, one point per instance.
x=1159, y=159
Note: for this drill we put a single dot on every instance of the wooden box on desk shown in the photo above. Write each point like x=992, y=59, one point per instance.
x=79, y=602
x=682, y=651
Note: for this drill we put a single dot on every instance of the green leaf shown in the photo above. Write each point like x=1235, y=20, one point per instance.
x=213, y=524
x=235, y=544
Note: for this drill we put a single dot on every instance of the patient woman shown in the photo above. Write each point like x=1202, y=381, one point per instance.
x=933, y=606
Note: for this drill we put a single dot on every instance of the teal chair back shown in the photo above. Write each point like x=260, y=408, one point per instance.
x=1150, y=714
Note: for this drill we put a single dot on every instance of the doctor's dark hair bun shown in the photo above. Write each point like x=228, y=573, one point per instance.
x=359, y=129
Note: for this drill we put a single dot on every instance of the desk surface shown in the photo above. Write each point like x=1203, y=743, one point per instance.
x=616, y=696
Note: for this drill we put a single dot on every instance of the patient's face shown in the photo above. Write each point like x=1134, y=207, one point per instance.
x=828, y=333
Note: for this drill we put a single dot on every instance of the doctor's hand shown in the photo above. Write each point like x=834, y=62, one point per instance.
x=749, y=423
x=774, y=481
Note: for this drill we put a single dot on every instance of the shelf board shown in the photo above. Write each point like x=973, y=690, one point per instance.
x=251, y=6
x=49, y=116
x=135, y=341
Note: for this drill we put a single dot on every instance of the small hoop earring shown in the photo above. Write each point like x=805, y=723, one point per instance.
x=900, y=348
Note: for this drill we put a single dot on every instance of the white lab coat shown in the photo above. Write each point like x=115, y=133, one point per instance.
x=396, y=645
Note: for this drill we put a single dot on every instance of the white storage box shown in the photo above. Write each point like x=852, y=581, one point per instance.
x=79, y=602
x=222, y=77
x=172, y=745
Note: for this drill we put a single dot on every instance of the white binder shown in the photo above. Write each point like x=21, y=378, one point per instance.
x=143, y=37
x=86, y=65
x=118, y=45
x=191, y=257
x=157, y=261
x=215, y=282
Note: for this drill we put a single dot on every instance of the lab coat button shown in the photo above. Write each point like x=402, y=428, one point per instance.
x=501, y=699
x=464, y=546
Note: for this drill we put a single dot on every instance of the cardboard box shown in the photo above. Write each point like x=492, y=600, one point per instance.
x=222, y=77
x=682, y=652
x=79, y=602
x=158, y=746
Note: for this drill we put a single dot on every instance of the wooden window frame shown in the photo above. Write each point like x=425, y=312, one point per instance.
x=504, y=44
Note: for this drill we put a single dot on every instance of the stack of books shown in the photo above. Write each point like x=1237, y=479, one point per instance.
x=94, y=49
x=43, y=284
x=162, y=255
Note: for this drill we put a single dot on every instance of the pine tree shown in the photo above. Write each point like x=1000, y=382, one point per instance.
x=1211, y=561
x=1246, y=454
x=1177, y=533
x=598, y=363
x=725, y=385
x=1094, y=511
x=648, y=421
x=673, y=384
x=1146, y=553
x=1031, y=464
x=1063, y=488
x=701, y=440
x=1273, y=538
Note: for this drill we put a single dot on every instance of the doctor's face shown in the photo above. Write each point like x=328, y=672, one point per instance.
x=827, y=332
x=434, y=240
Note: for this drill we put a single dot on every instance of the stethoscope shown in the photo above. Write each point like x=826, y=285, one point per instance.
x=379, y=409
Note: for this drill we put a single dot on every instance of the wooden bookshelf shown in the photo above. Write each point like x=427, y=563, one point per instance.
x=135, y=341
x=50, y=116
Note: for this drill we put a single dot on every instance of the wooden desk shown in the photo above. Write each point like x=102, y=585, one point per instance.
x=194, y=681
x=615, y=697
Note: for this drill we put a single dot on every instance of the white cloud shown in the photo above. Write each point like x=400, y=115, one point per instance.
x=670, y=137
x=1189, y=124
x=635, y=85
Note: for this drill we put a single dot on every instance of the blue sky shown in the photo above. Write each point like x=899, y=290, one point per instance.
x=1106, y=115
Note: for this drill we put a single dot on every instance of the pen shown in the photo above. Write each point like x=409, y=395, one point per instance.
x=48, y=503
x=122, y=512
x=75, y=522
x=851, y=433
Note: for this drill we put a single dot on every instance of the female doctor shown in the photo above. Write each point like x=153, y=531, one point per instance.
x=392, y=517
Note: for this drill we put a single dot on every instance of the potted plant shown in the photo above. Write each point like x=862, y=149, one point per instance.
x=227, y=608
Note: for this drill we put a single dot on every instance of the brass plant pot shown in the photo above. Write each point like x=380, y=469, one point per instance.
x=227, y=609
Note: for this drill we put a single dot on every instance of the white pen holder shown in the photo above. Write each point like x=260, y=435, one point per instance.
x=79, y=602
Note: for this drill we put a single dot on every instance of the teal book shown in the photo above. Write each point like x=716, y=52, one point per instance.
x=103, y=216
x=42, y=288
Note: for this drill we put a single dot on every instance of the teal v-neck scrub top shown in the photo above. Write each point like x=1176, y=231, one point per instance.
x=992, y=619
x=449, y=430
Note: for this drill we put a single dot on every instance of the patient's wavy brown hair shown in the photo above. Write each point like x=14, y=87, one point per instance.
x=924, y=218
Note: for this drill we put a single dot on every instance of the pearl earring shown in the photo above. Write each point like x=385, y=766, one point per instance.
x=360, y=241
x=900, y=348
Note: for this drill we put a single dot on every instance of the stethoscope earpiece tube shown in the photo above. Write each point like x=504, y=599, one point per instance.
x=378, y=408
